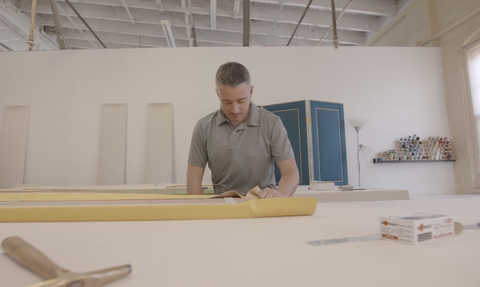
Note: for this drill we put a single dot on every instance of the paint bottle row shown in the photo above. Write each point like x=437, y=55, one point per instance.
x=414, y=149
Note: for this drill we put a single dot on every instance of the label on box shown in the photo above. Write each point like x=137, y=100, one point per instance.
x=416, y=228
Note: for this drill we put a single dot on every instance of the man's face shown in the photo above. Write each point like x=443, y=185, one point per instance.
x=235, y=101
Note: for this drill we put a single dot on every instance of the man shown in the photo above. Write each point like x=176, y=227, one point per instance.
x=240, y=141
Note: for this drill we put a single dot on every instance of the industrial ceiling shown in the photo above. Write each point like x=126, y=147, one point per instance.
x=95, y=24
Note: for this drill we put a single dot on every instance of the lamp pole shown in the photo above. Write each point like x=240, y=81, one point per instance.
x=359, y=147
x=357, y=123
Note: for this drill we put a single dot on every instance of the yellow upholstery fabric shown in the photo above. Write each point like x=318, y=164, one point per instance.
x=247, y=209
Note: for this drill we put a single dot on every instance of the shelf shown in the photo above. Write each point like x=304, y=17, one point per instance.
x=420, y=160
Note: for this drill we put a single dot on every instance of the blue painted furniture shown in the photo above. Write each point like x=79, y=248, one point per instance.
x=317, y=133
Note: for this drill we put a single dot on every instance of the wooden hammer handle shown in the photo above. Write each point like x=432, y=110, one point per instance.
x=31, y=258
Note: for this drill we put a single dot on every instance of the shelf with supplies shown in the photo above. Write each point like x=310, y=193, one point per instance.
x=418, y=160
x=412, y=149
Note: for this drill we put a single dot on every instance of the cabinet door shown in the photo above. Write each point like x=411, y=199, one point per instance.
x=294, y=119
x=328, y=139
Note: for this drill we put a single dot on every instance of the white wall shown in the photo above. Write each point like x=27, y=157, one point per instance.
x=400, y=90
x=448, y=24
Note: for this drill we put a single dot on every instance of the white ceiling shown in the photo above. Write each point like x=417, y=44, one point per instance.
x=217, y=23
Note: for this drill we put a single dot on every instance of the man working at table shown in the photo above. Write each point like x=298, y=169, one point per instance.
x=240, y=141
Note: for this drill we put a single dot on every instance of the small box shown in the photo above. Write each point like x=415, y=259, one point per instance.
x=322, y=185
x=416, y=228
x=345, y=188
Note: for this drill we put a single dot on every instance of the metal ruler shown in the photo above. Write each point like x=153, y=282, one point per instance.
x=459, y=228
x=344, y=240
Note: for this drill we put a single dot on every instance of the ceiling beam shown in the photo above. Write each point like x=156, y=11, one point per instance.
x=160, y=6
x=236, y=9
x=369, y=7
x=5, y=47
x=17, y=22
x=261, y=12
x=58, y=25
x=246, y=23
x=193, y=38
x=331, y=26
x=202, y=23
x=213, y=14
x=84, y=22
x=115, y=40
x=304, y=36
x=300, y=21
x=128, y=11
x=89, y=39
x=168, y=33
x=81, y=43
x=275, y=22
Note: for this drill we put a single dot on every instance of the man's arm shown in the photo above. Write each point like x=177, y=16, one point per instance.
x=289, y=179
x=194, y=179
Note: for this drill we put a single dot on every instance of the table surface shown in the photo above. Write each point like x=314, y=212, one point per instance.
x=261, y=252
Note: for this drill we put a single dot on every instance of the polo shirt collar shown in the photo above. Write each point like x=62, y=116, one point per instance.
x=252, y=119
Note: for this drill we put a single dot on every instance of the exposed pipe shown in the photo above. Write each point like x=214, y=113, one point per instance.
x=58, y=25
x=299, y=22
x=194, y=35
x=334, y=23
x=453, y=26
x=275, y=22
x=246, y=23
x=331, y=26
x=5, y=47
x=473, y=44
x=192, y=24
x=82, y=31
x=84, y=22
x=167, y=29
x=31, y=41
x=128, y=12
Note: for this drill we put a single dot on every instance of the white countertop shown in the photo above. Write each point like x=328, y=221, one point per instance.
x=261, y=252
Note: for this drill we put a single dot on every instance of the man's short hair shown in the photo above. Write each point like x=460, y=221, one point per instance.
x=232, y=74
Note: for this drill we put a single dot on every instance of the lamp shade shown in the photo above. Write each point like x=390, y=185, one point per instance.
x=357, y=122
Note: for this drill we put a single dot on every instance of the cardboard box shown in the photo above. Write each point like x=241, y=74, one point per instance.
x=322, y=185
x=416, y=228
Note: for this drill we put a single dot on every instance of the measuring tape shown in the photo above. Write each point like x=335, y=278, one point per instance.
x=459, y=228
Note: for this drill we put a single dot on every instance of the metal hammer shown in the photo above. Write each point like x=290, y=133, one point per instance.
x=55, y=276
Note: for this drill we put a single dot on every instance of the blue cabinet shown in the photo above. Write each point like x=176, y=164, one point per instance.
x=317, y=133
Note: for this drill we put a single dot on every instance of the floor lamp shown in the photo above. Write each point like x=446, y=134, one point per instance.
x=357, y=124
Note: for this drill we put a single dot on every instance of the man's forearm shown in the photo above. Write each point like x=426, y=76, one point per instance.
x=194, y=187
x=194, y=179
x=288, y=183
x=289, y=177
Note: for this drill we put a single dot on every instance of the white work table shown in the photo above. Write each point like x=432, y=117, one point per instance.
x=261, y=252
x=364, y=194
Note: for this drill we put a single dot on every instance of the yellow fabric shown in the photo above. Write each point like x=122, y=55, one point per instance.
x=247, y=209
x=64, y=196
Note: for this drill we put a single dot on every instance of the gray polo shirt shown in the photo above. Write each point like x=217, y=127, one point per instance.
x=240, y=158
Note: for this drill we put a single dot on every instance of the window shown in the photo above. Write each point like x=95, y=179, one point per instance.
x=473, y=64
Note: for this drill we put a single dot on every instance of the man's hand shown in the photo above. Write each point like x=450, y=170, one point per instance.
x=269, y=193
